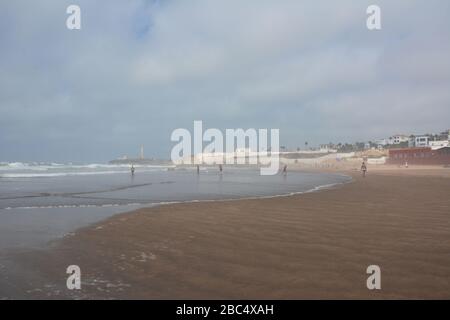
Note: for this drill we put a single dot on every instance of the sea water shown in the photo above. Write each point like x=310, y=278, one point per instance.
x=43, y=201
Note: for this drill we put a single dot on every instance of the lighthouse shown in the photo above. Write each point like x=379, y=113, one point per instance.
x=142, y=152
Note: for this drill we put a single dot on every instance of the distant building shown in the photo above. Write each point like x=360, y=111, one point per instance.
x=437, y=144
x=420, y=156
x=326, y=148
x=445, y=135
x=384, y=142
x=399, y=138
x=396, y=139
x=419, y=141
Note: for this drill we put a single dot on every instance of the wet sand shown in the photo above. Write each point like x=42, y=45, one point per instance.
x=314, y=245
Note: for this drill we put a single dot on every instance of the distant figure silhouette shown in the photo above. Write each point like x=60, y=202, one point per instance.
x=363, y=169
x=132, y=170
x=220, y=168
x=198, y=169
x=285, y=169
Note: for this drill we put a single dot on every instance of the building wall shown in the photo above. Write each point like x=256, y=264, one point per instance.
x=421, y=141
x=419, y=156
x=400, y=138
x=439, y=144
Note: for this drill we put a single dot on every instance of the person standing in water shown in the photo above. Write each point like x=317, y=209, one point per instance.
x=132, y=170
x=363, y=169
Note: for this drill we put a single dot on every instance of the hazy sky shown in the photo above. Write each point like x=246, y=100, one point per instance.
x=139, y=69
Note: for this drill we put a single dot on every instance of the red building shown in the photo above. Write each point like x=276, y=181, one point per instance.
x=421, y=156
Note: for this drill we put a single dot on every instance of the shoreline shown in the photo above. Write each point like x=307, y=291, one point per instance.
x=150, y=245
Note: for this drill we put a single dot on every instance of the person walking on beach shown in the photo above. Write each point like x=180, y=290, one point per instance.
x=285, y=169
x=363, y=169
x=132, y=170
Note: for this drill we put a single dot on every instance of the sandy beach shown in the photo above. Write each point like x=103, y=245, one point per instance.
x=314, y=245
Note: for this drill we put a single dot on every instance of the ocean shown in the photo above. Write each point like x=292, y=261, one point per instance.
x=40, y=202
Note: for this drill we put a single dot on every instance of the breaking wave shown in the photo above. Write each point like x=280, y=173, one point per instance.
x=52, y=169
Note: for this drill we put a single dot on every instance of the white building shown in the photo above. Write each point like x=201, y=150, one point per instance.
x=399, y=138
x=421, y=141
x=396, y=139
x=438, y=144
x=384, y=142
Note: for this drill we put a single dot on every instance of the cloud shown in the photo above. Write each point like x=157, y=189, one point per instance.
x=139, y=69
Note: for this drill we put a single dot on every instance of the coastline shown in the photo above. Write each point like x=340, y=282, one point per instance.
x=311, y=245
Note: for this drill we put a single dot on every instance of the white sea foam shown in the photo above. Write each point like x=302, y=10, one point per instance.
x=45, y=170
x=69, y=206
x=55, y=174
x=52, y=165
